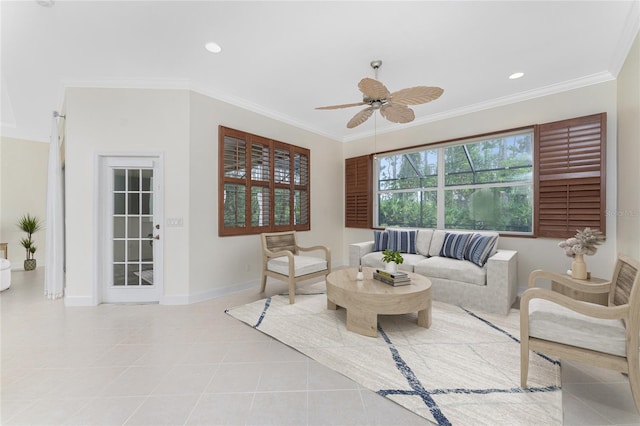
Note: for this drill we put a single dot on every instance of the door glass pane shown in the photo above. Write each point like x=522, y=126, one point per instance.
x=133, y=230
x=119, y=179
x=133, y=227
x=118, y=227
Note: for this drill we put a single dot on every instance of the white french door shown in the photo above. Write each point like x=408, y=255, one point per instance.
x=131, y=222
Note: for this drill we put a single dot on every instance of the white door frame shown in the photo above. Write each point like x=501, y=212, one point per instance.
x=101, y=213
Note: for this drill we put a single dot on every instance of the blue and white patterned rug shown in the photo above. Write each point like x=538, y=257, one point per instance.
x=463, y=370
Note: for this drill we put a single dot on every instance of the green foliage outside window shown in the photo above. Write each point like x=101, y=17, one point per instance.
x=486, y=184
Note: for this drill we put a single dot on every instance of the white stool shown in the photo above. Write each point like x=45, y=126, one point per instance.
x=5, y=274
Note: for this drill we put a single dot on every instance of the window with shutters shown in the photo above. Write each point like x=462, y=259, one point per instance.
x=570, y=176
x=264, y=185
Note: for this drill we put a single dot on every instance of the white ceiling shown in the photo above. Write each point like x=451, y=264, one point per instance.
x=282, y=59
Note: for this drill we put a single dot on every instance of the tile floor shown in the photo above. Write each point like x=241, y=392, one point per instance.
x=186, y=365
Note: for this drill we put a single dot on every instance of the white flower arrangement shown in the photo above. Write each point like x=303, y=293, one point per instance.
x=584, y=243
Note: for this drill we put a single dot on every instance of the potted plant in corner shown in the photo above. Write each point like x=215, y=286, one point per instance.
x=392, y=259
x=30, y=225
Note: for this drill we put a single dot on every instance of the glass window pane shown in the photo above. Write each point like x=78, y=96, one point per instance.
x=133, y=274
x=134, y=180
x=235, y=163
x=134, y=250
x=119, y=251
x=260, y=162
x=417, y=209
x=409, y=170
x=282, y=171
x=118, y=227
x=146, y=274
x=118, y=203
x=301, y=169
x=260, y=206
x=134, y=204
x=146, y=247
x=503, y=208
x=119, y=179
x=234, y=206
x=147, y=204
x=118, y=274
x=147, y=227
x=282, y=207
x=133, y=227
x=301, y=207
x=147, y=180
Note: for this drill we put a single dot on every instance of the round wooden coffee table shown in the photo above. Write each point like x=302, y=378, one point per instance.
x=365, y=299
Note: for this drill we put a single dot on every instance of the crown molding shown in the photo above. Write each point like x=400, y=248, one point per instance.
x=629, y=34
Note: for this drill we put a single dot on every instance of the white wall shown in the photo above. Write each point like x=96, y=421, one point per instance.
x=184, y=126
x=219, y=262
x=108, y=121
x=23, y=189
x=534, y=253
x=628, y=209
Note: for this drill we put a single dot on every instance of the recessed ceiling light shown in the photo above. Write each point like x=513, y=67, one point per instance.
x=46, y=3
x=213, y=47
x=516, y=75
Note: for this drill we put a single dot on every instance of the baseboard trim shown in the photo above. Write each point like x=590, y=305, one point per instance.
x=207, y=295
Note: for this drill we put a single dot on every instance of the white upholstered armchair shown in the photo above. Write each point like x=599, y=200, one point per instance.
x=604, y=336
x=282, y=259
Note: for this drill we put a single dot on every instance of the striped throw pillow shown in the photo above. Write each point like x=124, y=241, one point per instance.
x=380, y=240
x=480, y=248
x=454, y=245
x=402, y=241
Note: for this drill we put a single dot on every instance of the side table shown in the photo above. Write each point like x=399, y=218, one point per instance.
x=599, y=298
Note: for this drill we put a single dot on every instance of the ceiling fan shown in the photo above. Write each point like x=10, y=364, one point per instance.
x=392, y=106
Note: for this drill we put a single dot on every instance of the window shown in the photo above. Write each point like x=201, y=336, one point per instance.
x=473, y=184
x=264, y=184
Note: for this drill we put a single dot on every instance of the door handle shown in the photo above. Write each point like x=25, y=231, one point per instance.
x=157, y=237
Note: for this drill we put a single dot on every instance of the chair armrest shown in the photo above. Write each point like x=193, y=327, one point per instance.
x=357, y=250
x=585, y=308
x=326, y=250
x=280, y=253
x=567, y=281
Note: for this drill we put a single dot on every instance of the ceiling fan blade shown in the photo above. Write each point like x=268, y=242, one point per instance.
x=415, y=95
x=360, y=117
x=373, y=89
x=397, y=113
x=342, y=106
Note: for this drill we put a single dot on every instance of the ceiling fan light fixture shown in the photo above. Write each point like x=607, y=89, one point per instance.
x=516, y=75
x=213, y=47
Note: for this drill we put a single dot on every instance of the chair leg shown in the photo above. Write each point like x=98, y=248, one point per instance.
x=264, y=283
x=524, y=361
x=634, y=378
x=292, y=291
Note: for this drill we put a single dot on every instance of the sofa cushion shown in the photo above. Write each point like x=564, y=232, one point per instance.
x=402, y=240
x=436, y=242
x=479, y=248
x=451, y=269
x=423, y=241
x=380, y=240
x=455, y=245
x=374, y=260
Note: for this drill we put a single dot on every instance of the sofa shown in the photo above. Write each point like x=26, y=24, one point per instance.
x=466, y=268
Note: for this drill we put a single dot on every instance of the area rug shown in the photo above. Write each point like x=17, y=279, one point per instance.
x=463, y=370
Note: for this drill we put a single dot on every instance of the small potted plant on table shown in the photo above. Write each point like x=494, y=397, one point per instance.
x=392, y=258
x=30, y=225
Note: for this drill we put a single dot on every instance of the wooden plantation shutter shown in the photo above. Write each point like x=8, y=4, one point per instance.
x=570, y=176
x=357, y=204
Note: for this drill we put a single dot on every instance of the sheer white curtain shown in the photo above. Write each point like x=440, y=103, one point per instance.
x=54, y=260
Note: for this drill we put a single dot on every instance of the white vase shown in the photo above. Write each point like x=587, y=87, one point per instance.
x=579, y=268
x=391, y=267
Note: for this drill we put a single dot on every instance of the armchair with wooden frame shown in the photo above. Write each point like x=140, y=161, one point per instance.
x=604, y=336
x=282, y=259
